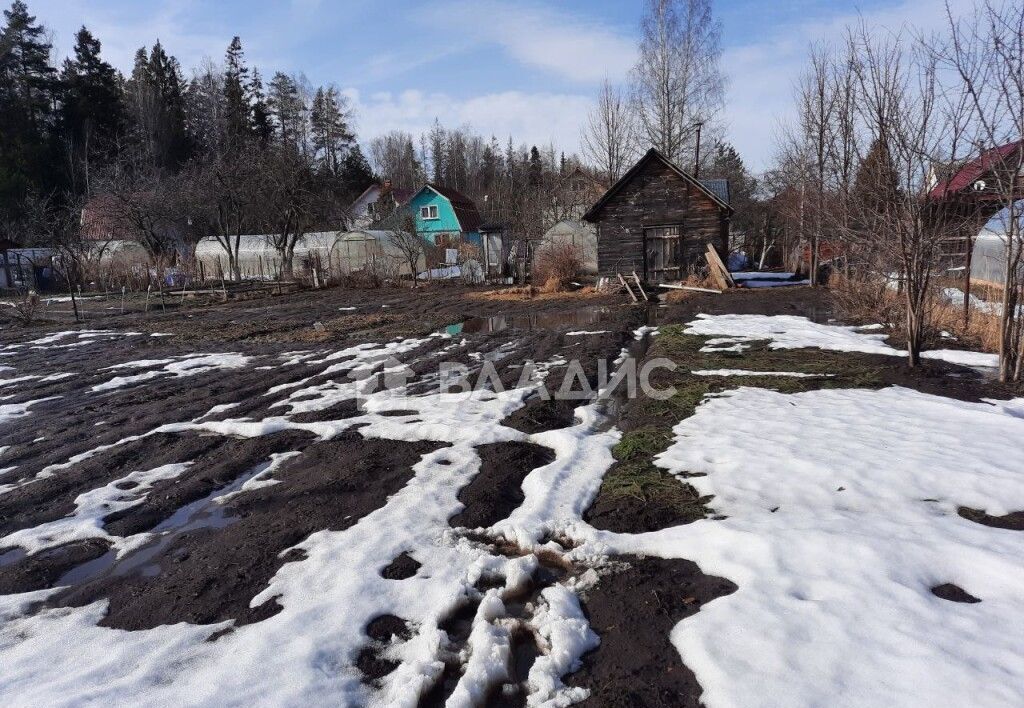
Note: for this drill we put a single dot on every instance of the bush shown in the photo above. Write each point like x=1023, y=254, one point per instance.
x=25, y=309
x=556, y=265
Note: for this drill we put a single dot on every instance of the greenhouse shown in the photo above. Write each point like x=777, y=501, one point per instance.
x=988, y=259
x=258, y=259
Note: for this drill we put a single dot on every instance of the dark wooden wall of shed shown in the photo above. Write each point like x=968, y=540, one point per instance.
x=657, y=196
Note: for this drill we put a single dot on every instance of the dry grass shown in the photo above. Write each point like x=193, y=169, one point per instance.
x=530, y=292
x=870, y=301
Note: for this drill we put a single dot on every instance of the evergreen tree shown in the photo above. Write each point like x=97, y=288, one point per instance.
x=876, y=183
x=331, y=136
x=92, y=110
x=436, y=139
x=27, y=84
x=536, y=168
x=157, y=109
x=238, y=111
x=727, y=164
x=205, y=112
x=287, y=108
x=262, y=127
x=356, y=174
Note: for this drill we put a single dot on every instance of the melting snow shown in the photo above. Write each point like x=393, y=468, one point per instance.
x=836, y=532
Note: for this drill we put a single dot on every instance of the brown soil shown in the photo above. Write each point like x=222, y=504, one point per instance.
x=1014, y=521
x=633, y=611
x=402, y=567
x=210, y=572
x=496, y=490
x=953, y=593
x=207, y=576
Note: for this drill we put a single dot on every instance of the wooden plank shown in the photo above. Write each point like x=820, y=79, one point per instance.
x=626, y=286
x=636, y=279
x=719, y=272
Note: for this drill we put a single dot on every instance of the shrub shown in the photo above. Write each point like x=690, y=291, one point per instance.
x=556, y=265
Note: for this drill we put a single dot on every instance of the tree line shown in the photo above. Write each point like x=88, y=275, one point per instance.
x=161, y=158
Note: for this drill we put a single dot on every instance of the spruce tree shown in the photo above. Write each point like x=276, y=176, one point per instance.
x=27, y=84
x=356, y=174
x=92, y=110
x=238, y=112
x=262, y=127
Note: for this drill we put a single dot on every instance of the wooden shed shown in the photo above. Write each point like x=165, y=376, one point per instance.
x=658, y=219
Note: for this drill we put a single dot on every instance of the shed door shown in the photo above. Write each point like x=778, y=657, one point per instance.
x=662, y=248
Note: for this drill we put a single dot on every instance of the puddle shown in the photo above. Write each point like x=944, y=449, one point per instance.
x=580, y=317
x=205, y=513
x=12, y=556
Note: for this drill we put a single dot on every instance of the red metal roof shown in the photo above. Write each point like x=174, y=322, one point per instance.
x=963, y=179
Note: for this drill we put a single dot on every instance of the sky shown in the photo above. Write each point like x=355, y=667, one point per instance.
x=529, y=68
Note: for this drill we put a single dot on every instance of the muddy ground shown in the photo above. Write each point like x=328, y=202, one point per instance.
x=211, y=559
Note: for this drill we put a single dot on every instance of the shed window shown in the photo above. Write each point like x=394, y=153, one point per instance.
x=428, y=212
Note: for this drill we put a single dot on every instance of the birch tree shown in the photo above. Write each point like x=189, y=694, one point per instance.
x=677, y=82
x=609, y=136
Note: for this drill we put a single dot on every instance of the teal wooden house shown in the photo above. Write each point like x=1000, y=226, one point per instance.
x=445, y=217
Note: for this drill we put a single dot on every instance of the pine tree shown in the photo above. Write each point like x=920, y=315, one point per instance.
x=287, y=108
x=238, y=111
x=92, y=109
x=331, y=136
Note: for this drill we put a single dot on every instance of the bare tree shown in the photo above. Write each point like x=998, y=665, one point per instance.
x=609, y=137
x=677, y=80
x=986, y=51
x=905, y=220
x=149, y=205
x=401, y=229
x=817, y=109
x=227, y=196
x=295, y=198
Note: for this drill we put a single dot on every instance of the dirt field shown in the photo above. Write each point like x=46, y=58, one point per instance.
x=174, y=466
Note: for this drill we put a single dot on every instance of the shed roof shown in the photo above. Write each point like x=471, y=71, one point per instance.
x=654, y=154
x=720, y=187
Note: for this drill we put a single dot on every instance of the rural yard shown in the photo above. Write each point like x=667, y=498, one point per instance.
x=283, y=501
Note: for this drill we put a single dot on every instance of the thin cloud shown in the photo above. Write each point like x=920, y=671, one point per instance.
x=539, y=36
x=531, y=118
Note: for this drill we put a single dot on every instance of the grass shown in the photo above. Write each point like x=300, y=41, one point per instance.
x=648, y=422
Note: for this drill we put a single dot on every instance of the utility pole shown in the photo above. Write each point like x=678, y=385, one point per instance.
x=696, y=159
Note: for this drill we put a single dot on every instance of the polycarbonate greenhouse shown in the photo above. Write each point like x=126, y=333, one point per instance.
x=988, y=260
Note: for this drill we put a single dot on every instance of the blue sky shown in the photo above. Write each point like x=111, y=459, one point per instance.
x=528, y=67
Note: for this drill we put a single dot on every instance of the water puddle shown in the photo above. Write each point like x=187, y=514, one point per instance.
x=205, y=513
x=12, y=556
x=579, y=317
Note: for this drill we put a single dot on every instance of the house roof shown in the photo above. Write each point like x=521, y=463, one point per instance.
x=720, y=187
x=401, y=195
x=655, y=154
x=974, y=170
x=464, y=207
